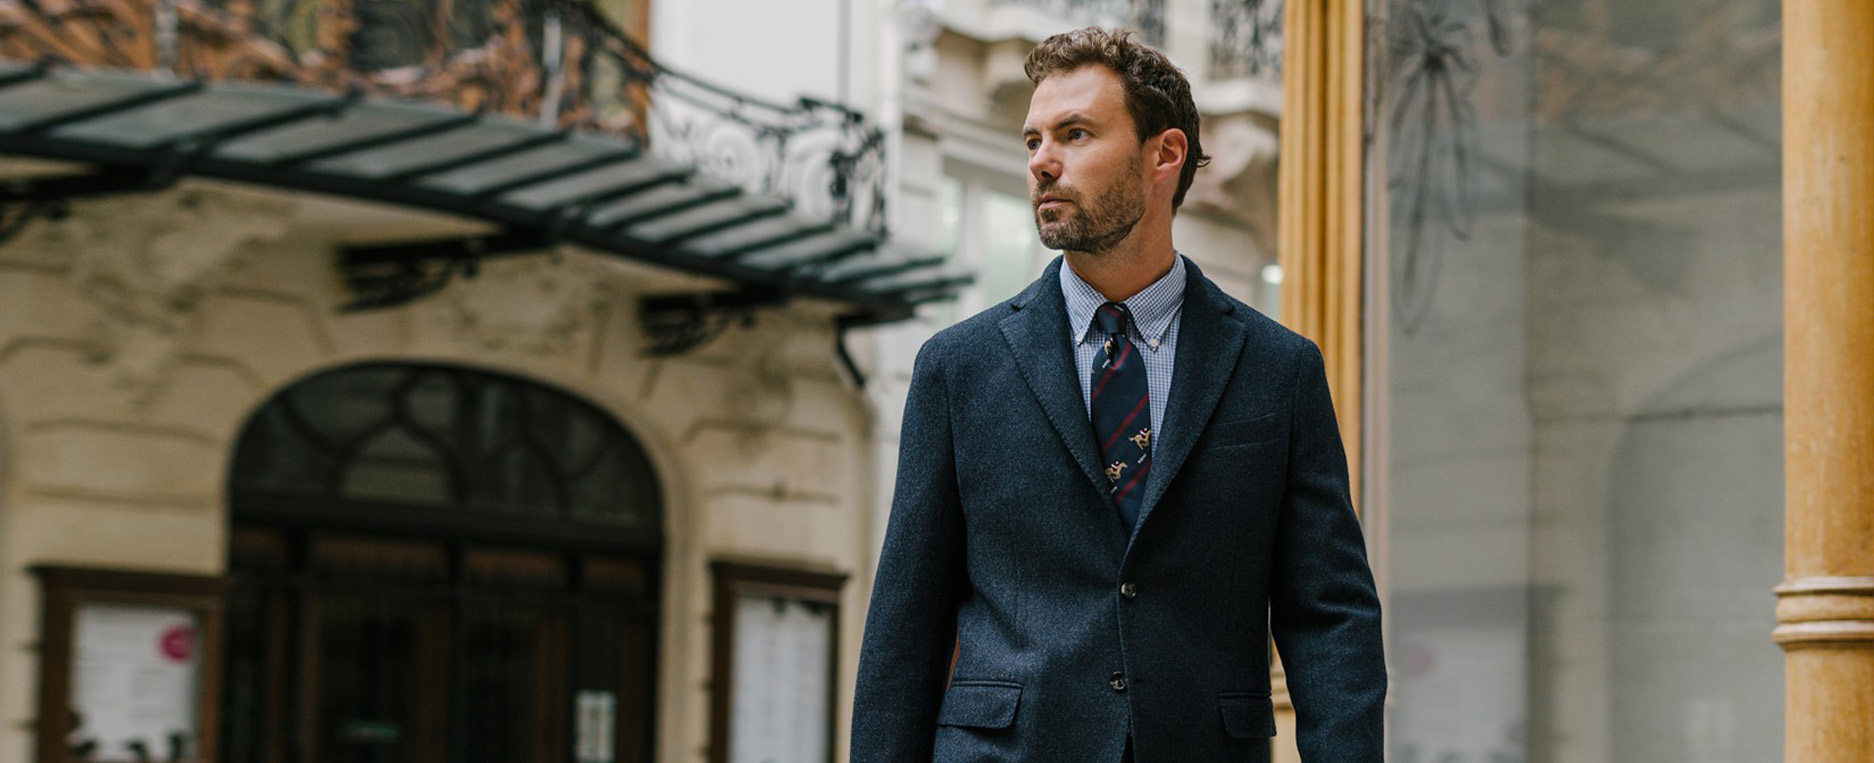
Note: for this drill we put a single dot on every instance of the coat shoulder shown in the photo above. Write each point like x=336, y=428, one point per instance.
x=965, y=337
x=1264, y=335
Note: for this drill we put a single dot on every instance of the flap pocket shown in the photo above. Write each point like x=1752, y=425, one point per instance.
x=1247, y=715
x=980, y=704
x=1244, y=432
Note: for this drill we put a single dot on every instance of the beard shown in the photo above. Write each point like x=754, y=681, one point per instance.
x=1091, y=227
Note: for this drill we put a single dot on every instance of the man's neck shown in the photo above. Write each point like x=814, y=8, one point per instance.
x=1126, y=269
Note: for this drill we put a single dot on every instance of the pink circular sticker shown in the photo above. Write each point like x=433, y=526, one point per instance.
x=178, y=642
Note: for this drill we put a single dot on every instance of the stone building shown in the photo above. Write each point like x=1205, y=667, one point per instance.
x=431, y=382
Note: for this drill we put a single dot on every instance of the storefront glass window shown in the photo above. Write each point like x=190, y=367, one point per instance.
x=1576, y=208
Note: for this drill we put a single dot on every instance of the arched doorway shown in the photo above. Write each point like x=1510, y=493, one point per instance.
x=433, y=563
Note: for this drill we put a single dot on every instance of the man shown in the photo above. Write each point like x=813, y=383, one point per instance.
x=1117, y=485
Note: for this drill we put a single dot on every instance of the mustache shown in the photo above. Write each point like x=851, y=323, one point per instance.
x=1051, y=189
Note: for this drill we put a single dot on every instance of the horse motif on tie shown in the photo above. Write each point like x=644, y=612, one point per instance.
x=1143, y=439
x=1113, y=472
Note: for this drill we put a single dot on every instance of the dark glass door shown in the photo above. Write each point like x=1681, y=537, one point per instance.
x=362, y=650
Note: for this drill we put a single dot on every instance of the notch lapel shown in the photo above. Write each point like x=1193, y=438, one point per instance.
x=1037, y=335
x=1210, y=339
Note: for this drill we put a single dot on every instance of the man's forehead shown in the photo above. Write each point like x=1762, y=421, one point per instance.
x=1090, y=93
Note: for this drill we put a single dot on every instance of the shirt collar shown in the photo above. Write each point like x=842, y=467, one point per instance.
x=1152, y=308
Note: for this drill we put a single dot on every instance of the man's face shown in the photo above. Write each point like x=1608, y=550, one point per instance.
x=1085, y=161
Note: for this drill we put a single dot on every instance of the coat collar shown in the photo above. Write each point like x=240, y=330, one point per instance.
x=1208, y=346
x=1037, y=335
x=1209, y=341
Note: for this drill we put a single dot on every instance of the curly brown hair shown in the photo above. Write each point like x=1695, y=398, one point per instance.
x=1157, y=95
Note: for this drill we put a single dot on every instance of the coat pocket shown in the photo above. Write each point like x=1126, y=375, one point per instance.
x=1247, y=715
x=1245, y=432
x=980, y=704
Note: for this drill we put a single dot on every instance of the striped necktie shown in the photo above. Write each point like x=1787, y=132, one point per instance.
x=1122, y=411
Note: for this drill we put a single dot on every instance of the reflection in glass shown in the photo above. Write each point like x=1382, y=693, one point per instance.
x=1581, y=227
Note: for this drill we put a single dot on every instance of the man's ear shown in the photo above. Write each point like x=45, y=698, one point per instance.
x=1171, y=154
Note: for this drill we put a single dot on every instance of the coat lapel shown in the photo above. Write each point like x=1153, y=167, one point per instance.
x=1036, y=332
x=1209, y=340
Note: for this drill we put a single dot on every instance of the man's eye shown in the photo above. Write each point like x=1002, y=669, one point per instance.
x=1077, y=134
x=1034, y=143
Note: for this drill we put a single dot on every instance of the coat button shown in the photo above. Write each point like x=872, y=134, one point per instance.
x=1129, y=590
x=1118, y=682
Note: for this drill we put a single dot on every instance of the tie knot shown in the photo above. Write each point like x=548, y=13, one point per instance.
x=1111, y=318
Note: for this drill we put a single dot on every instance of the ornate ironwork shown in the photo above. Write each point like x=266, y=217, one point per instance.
x=1147, y=17
x=680, y=323
x=558, y=63
x=1245, y=38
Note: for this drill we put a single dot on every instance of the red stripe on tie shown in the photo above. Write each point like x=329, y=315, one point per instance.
x=1127, y=424
x=1110, y=368
x=1143, y=468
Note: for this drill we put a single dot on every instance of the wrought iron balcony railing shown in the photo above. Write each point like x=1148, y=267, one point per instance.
x=1147, y=17
x=1245, y=38
x=556, y=63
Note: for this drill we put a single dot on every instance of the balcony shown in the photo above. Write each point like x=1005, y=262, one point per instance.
x=1145, y=16
x=1245, y=39
x=538, y=116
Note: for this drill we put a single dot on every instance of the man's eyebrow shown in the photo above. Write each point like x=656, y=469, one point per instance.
x=1073, y=118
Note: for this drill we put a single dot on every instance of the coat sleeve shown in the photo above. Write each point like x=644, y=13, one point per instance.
x=910, y=630
x=1324, y=609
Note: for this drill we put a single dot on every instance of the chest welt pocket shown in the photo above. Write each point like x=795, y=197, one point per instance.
x=1245, y=432
x=1247, y=715
x=980, y=704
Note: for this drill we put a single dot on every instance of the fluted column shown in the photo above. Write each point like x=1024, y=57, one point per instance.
x=1319, y=231
x=1825, y=606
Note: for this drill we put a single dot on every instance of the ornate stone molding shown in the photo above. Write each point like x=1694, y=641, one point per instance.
x=534, y=306
x=1240, y=183
x=1821, y=612
x=146, y=267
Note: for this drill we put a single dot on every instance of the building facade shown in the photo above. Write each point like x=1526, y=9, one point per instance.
x=413, y=381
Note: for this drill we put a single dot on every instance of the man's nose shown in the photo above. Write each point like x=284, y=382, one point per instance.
x=1044, y=164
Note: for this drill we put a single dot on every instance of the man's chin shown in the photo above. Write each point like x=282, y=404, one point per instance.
x=1060, y=240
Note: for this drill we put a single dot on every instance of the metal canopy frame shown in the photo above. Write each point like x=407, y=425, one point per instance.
x=612, y=195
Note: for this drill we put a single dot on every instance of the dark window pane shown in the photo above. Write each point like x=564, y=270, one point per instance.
x=339, y=408
x=502, y=681
x=368, y=679
x=277, y=457
x=431, y=403
x=395, y=466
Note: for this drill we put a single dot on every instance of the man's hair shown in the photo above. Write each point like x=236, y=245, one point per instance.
x=1157, y=94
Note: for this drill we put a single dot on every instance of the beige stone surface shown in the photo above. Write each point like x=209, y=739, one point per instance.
x=790, y=465
x=136, y=465
x=36, y=303
x=270, y=335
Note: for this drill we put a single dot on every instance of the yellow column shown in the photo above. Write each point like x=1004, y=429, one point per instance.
x=1320, y=193
x=1319, y=231
x=1825, y=606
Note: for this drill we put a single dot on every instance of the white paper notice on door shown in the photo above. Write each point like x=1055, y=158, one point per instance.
x=783, y=670
x=594, y=715
x=134, y=682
